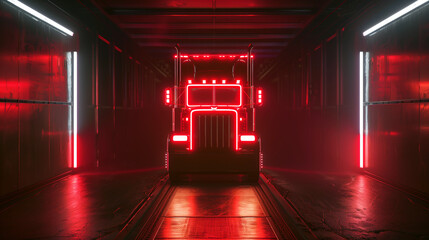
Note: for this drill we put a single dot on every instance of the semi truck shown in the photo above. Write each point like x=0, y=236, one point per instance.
x=213, y=104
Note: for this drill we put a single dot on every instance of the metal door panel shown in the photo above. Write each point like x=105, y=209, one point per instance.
x=35, y=61
x=105, y=80
x=9, y=55
x=424, y=77
x=34, y=143
x=60, y=138
x=9, y=139
x=393, y=133
x=423, y=166
x=60, y=84
x=394, y=77
x=106, y=147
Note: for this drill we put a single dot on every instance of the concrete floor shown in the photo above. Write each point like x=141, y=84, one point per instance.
x=352, y=205
x=215, y=211
x=80, y=206
x=334, y=206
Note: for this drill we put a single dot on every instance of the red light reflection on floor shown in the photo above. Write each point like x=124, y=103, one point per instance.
x=76, y=209
x=361, y=202
x=215, y=212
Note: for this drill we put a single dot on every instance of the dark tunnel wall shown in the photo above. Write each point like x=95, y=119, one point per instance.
x=398, y=102
x=311, y=118
x=35, y=104
x=122, y=123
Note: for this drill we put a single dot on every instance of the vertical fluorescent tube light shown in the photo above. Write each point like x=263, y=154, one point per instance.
x=74, y=109
x=395, y=16
x=40, y=16
x=361, y=109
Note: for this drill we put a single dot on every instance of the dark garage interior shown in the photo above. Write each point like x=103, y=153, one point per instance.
x=88, y=146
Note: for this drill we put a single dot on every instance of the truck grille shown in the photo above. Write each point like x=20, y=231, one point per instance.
x=213, y=131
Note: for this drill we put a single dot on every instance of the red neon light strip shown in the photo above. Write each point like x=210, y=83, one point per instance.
x=361, y=106
x=214, y=85
x=215, y=110
x=74, y=109
x=103, y=39
x=118, y=49
x=208, y=56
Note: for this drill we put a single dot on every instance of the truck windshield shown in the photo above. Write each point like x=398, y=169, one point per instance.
x=214, y=95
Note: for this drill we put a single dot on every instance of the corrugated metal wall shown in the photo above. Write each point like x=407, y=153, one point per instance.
x=122, y=122
x=35, y=101
x=312, y=119
x=398, y=102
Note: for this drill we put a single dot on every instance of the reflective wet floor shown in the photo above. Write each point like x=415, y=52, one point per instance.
x=352, y=205
x=215, y=212
x=79, y=206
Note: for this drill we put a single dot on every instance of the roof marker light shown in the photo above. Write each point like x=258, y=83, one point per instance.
x=204, y=81
x=238, y=81
x=41, y=17
x=189, y=81
x=395, y=16
x=213, y=81
x=223, y=81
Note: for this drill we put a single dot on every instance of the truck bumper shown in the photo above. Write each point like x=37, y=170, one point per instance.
x=236, y=163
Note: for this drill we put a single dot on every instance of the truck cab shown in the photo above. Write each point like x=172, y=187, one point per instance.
x=213, y=102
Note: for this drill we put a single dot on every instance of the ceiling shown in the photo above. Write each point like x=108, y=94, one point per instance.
x=212, y=26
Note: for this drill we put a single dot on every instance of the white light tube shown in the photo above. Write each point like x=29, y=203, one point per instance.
x=395, y=16
x=361, y=109
x=74, y=109
x=41, y=16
